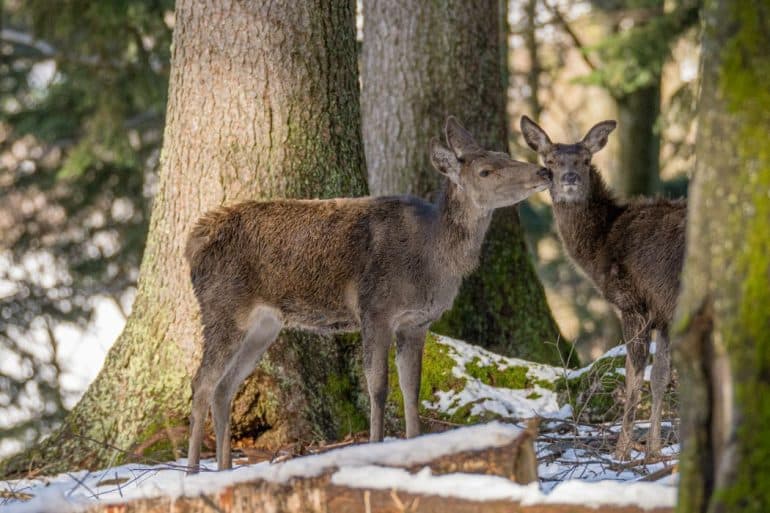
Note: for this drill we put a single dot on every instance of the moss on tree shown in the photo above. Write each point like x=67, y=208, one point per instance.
x=724, y=312
x=743, y=78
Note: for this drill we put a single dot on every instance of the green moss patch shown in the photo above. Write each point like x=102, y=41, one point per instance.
x=342, y=392
x=514, y=377
x=437, y=365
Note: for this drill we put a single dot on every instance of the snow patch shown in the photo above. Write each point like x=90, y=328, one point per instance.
x=487, y=488
x=462, y=486
x=645, y=495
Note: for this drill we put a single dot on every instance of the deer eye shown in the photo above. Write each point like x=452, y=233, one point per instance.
x=587, y=162
x=484, y=173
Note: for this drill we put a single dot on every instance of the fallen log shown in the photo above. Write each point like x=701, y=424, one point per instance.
x=476, y=469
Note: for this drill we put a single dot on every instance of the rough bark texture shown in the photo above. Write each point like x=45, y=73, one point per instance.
x=422, y=61
x=263, y=103
x=639, y=143
x=723, y=351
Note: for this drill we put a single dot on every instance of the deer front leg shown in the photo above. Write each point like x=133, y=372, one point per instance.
x=409, y=346
x=636, y=333
x=661, y=375
x=377, y=337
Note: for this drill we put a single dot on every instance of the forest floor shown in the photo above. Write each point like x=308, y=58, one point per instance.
x=575, y=461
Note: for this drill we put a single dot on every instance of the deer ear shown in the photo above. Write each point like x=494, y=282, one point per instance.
x=444, y=160
x=459, y=139
x=535, y=136
x=596, y=138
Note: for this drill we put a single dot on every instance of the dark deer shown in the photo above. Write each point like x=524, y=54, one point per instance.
x=387, y=266
x=632, y=252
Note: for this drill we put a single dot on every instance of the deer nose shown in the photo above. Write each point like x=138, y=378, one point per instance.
x=545, y=173
x=570, y=178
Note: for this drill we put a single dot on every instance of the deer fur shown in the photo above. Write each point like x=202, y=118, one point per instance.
x=387, y=266
x=633, y=252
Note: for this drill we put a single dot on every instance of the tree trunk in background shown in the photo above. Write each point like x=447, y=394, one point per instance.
x=263, y=103
x=638, y=142
x=421, y=62
x=533, y=73
x=723, y=316
x=638, y=167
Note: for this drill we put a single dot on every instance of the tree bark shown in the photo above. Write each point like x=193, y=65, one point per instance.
x=723, y=316
x=263, y=103
x=421, y=62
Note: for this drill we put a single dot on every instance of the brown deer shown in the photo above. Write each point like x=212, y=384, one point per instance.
x=632, y=252
x=387, y=266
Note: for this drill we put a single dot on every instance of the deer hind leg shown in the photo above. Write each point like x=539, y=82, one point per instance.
x=377, y=337
x=263, y=327
x=217, y=350
x=636, y=332
x=661, y=375
x=409, y=346
x=202, y=392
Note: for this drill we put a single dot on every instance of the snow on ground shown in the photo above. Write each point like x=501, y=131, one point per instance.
x=586, y=455
x=359, y=466
x=576, y=464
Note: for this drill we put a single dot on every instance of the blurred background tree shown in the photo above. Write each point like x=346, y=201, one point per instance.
x=82, y=100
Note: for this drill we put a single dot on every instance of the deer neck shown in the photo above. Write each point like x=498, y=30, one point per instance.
x=583, y=226
x=460, y=230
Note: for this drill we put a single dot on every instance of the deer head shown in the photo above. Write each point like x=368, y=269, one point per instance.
x=487, y=179
x=570, y=163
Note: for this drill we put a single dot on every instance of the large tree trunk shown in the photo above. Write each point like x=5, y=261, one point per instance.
x=422, y=61
x=723, y=317
x=263, y=103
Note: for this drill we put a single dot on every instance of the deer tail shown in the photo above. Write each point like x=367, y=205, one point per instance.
x=204, y=233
